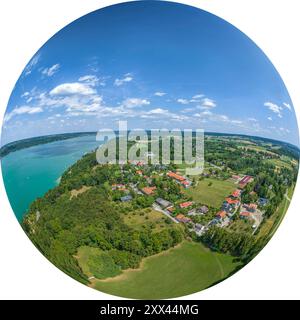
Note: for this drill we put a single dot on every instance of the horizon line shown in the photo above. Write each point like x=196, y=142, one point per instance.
x=205, y=133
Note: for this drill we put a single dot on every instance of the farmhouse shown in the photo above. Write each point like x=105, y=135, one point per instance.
x=163, y=203
x=187, y=204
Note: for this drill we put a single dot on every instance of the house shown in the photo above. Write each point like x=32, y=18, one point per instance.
x=226, y=207
x=148, y=190
x=193, y=212
x=202, y=209
x=182, y=218
x=251, y=207
x=171, y=209
x=233, y=202
x=186, y=183
x=263, y=202
x=126, y=198
x=139, y=172
x=244, y=215
x=163, y=203
x=235, y=177
x=186, y=204
x=221, y=215
x=236, y=193
x=199, y=229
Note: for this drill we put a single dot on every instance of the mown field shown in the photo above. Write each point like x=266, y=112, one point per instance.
x=211, y=192
x=188, y=268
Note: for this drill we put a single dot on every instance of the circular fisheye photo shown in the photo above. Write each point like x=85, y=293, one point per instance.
x=149, y=150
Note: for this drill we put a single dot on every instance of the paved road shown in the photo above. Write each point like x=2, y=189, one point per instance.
x=158, y=208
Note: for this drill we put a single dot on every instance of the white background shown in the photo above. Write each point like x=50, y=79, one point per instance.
x=25, y=25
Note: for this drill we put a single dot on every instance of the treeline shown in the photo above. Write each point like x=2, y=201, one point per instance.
x=221, y=240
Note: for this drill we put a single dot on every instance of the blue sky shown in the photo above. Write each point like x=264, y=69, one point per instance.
x=157, y=65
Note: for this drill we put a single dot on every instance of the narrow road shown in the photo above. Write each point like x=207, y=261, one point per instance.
x=158, y=208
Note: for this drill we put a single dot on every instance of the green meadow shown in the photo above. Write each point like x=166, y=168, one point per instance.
x=187, y=268
x=211, y=192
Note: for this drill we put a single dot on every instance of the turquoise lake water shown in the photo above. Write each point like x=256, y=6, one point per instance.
x=31, y=172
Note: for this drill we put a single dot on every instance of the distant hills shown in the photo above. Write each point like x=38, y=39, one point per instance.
x=290, y=149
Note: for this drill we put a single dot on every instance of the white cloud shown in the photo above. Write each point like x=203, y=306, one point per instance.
x=158, y=111
x=22, y=110
x=274, y=108
x=49, y=72
x=159, y=94
x=135, y=102
x=31, y=65
x=198, y=96
x=127, y=78
x=25, y=94
x=208, y=103
x=252, y=119
x=73, y=88
x=288, y=106
x=270, y=119
x=92, y=80
x=183, y=101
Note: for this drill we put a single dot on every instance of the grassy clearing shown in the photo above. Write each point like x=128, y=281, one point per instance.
x=212, y=195
x=142, y=218
x=242, y=226
x=188, y=268
x=95, y=262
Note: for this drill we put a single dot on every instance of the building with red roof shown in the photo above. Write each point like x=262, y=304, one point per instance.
x=182, y=218
x=175, y=176
x=236, y=193
x=148, y=190
x=186, y=204
x=245, y=214
x=221, y=214
x=232, y=201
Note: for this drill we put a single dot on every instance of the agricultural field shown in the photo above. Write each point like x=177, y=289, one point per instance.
x=187, y=268
x=210, y=191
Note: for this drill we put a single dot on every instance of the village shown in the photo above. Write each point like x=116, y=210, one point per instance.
x=149, y=181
